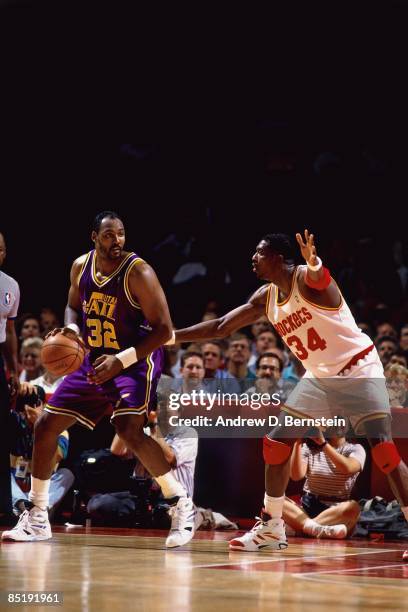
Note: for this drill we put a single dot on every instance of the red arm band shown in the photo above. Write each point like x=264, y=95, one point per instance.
x=322, y=283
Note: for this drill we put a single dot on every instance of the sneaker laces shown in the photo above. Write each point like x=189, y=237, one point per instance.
x=178, y=515
x=23, y=518
x=325, y=530
x=259, y=523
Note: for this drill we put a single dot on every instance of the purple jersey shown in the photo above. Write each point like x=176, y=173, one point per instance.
x=112, y=319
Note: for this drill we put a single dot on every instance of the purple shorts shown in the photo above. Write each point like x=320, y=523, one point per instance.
x=131, y=392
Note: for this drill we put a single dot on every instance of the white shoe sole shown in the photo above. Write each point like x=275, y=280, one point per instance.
x=28, y=539
x=246, y=548
x=172, y=544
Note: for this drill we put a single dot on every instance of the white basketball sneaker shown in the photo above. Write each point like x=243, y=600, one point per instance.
x=182, y=523
x=335, y=532
x=33, y=525
x=267, y=533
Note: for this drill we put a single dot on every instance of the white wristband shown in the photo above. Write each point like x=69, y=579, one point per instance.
x=172, y=339
x=127, y=357
x=317, y=267
x=74, y=328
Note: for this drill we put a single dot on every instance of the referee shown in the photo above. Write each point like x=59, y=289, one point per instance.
x=9, y=302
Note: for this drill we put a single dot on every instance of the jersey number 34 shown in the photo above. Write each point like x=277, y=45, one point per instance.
x=314, y=342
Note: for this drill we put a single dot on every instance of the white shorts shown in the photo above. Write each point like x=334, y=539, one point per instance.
x=360, y=394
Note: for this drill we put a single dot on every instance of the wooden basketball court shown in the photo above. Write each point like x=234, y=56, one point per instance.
x=116, y=569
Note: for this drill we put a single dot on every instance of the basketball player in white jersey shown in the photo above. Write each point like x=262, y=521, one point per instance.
x=343, y=371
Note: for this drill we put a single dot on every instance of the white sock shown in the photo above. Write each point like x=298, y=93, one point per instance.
x=311, y=527
x=170, y=486
x=38, y=494
x=274, y=506
x=405, y=512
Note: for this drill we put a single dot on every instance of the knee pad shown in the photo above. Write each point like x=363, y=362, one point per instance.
x=386, y=456
x=274, y=452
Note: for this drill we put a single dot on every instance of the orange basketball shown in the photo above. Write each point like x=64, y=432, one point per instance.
x=62, y=354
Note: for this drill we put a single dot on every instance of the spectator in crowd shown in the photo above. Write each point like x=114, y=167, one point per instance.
x=31, y=359
x=191, y=370
x=49, y=382
x=28, y=326
x=22, y=423
x=387, y=346
x=265, y=341
x=191, y=377
x=399, y=358
x=331, y=466
x=171, y=359
x=269, y=367
x=49, y=320
x=262, y=324
x=213, y=360
x=397, y=384
x=403, y=343
x=174, y=353
x=238, y=355
x=386, y=329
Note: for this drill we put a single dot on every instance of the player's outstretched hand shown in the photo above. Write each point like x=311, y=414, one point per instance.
x=104, y=368
x=307, y=248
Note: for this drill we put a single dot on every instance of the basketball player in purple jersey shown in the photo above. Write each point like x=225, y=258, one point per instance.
x=125, y=322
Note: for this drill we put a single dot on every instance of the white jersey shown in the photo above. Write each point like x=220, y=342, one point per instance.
x=9, y=302
x=324, y=339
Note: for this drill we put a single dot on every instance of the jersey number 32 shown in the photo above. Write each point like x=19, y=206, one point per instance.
x=102, y=334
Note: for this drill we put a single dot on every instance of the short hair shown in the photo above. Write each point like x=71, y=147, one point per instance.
x=32, y=343
x=239, y=336
x=188, y=354
x=101, y=216
x=215, y=343
x=269, y=354
x=396, y=369
x=282, y=245
x=386, y=339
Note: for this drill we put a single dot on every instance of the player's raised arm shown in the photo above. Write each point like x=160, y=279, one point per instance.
x=317, y=281
x=224, y=326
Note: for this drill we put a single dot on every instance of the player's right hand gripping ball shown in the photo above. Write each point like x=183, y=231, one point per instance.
x=62, y=354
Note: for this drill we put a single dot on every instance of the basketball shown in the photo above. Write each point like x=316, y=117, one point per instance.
x=62, y=354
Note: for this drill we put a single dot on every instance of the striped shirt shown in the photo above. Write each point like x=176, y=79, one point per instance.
x=323, y=478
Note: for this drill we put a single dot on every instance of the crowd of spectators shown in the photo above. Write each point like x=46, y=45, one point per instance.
x=251, y=361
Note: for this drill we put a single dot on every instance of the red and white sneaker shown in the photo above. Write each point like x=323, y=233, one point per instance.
x=405, y=556
x=267, y=533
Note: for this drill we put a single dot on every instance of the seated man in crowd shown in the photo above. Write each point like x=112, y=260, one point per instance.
x=265, y=341
x=239, y=353
x=269, y=367
x=29, y=407
x=397, y=385
x=331, y=466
